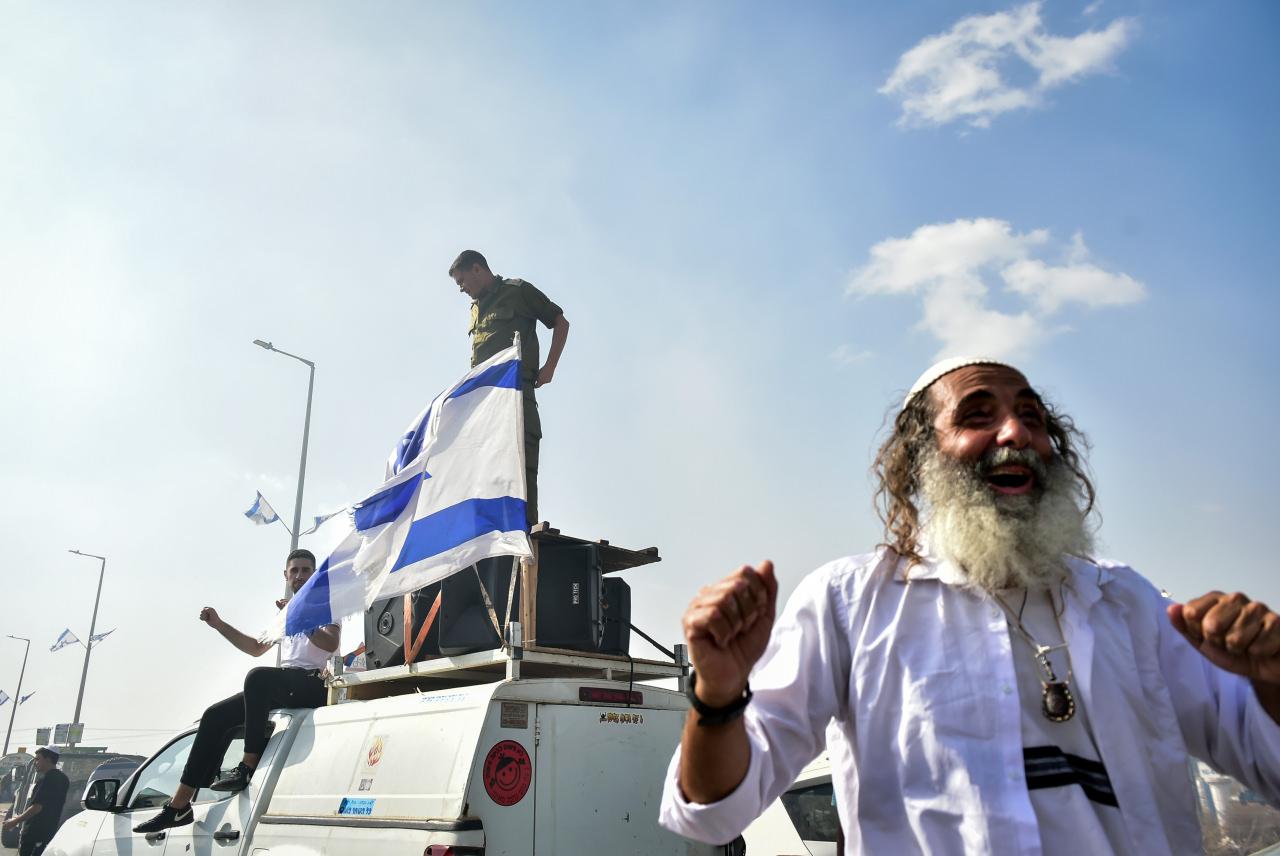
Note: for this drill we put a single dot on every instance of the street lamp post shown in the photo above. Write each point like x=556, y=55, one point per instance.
x=17, y=699
x=93, y=627
x=302, y=464
x=306, y=434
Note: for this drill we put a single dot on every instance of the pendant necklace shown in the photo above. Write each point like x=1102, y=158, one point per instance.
x=1057, y=703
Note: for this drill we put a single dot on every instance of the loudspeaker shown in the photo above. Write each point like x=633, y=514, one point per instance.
x=384, y=629
x=617, y=617
x=465, y=625
x=570, y=597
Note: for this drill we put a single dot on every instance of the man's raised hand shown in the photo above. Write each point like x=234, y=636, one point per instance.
x=727, y=627
x=210, y=616
x=1232, y=632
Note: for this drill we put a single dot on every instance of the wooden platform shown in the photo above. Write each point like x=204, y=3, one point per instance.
x=485, y=667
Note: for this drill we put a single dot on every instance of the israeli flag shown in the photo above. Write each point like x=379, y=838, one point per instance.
x=64, y=639
x=4, y=697
x=321, y=519
x=454, y=494
x=261, y=511
x=98, y=637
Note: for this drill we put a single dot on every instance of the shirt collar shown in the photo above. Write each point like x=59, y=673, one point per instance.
x=1086, y=578
x=931, y=568
x=489, y=295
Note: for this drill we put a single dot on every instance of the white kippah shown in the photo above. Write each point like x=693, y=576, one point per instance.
x=946, y=367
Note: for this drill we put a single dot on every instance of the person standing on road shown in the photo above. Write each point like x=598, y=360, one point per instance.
x=296, y=683
x=501, y=308
x=43, y=815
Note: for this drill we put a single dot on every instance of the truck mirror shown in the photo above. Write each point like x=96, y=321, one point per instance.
x=101, y=795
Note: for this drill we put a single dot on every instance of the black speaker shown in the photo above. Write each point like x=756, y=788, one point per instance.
x=570, y=597
x=384, y=629
x=617, y=617
x=465, y=625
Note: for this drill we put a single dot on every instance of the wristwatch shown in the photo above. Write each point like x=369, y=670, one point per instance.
x=708, y=715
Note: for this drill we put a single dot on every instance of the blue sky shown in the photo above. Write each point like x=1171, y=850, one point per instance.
x=700, y=187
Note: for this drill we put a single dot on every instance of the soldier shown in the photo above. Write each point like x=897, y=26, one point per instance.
x=501, y=308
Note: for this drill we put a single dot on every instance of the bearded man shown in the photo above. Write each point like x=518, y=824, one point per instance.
x=982, y=685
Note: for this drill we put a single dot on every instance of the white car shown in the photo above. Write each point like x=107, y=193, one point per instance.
x=803, y=821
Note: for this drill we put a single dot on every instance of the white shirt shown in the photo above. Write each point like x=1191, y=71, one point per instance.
x=1067, y=781
x=926, y=743
x=299, y=652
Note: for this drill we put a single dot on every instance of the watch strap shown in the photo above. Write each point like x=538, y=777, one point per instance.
x=708, y=715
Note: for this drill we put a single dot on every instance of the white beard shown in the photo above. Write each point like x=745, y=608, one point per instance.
x=999, y=541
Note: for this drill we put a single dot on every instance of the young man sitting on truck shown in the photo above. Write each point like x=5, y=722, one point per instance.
x=296, y=683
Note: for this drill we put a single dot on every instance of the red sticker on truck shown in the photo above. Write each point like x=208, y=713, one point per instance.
x=375, y=752
x=507, y=772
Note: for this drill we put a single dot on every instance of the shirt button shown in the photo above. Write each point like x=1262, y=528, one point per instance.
x=1014, y=776
x=1006, y=689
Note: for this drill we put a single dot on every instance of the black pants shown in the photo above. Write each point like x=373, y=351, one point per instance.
x=264, y=689
x=33, y=845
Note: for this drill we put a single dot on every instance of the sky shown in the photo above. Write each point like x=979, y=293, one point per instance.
x=762, y=220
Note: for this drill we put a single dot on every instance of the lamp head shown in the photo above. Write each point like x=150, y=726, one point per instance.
x=262, y=344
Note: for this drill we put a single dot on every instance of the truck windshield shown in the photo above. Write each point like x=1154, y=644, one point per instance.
x=159, y=779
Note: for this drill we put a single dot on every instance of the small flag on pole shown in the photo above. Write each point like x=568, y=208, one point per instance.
x=4, y=697
x=320, y=519
x=65, y=638
x=23, y=700
x=98, y=637
x=261, y=511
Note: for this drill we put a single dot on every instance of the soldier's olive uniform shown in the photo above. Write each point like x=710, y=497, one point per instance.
x=513, y=306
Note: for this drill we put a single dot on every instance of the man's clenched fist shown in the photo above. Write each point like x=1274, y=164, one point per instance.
x=727, y=627
x=1233, y=633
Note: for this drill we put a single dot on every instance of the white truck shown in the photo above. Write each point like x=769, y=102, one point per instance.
x=565, y=758
x=515, y=749
x=539, y=754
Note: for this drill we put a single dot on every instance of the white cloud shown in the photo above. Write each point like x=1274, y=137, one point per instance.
x=267, y=482
x=949, y=266
x=957, y=75
x=847, y=355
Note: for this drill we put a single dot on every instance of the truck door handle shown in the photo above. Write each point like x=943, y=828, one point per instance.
x=155, y=837
x=226, y=835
